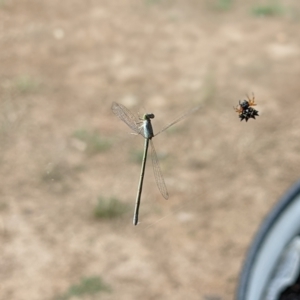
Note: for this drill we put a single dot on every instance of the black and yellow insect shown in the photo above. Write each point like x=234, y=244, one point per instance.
x=245, y=109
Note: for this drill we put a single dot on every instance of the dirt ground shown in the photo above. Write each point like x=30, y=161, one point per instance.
x=63, y=63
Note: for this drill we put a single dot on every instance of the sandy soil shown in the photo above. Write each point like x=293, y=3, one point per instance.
x=62, y=65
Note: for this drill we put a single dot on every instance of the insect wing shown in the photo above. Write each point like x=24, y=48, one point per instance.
x=127, y=117
x=157, y=173
x=179, y=119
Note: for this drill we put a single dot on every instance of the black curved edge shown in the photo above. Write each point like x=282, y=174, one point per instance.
x=259, y=237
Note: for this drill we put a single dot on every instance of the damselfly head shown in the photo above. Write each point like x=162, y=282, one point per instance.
x=148, y=116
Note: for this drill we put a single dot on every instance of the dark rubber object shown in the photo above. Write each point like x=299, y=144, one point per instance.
x=284, y=206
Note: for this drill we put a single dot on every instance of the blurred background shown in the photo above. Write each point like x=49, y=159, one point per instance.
x=69, y=169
